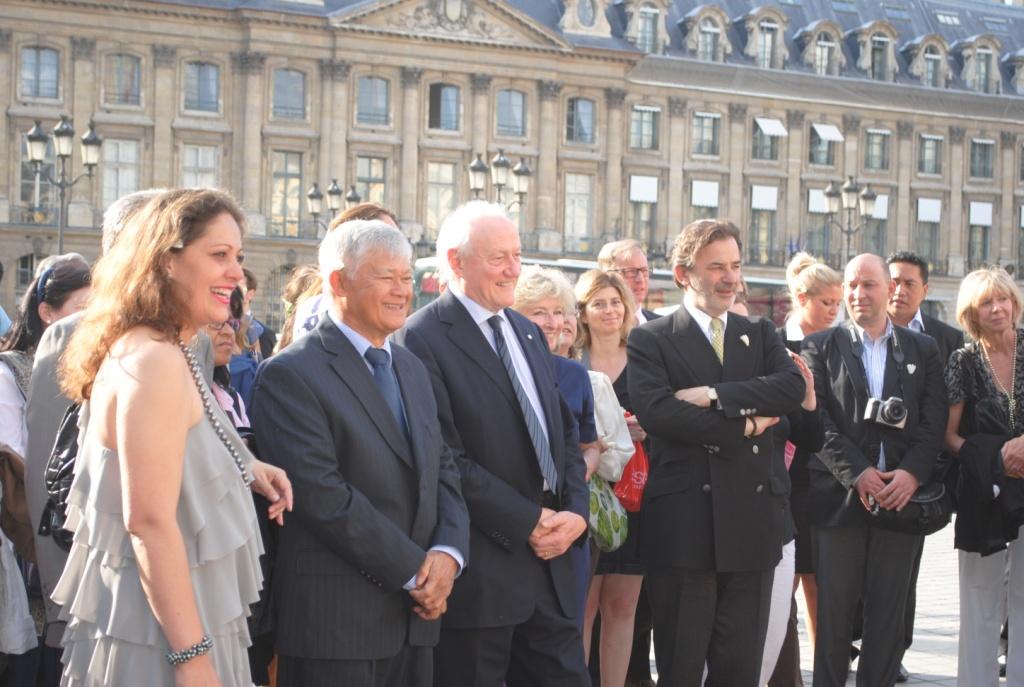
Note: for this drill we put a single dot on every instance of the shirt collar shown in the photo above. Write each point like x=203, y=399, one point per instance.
x=919, y=320
x=867, y=339
x=703, y=319
x=360, y=342
x=479, y=313
x=793, y=330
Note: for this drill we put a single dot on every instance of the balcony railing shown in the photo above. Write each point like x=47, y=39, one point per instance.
x=27, y=214
x=767, y=258
x=295, y=229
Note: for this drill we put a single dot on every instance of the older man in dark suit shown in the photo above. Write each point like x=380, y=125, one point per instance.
x=706, y=384
x=380, y=532
x=867, y=465
x=512, y=614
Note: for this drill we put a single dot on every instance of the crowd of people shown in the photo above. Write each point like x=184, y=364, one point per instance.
x=451, y=497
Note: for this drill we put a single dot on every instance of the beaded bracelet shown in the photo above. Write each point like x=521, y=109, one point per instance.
x=179, y=657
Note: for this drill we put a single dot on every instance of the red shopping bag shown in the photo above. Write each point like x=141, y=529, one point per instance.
x=630, y=488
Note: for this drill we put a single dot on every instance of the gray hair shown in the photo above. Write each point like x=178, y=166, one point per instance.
x=537, y=283
x=346, y=246
x=117, y=214
x=610, y=252
x=455, y=230
x=51, y=260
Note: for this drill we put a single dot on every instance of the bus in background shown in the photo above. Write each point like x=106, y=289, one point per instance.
x=766, y=297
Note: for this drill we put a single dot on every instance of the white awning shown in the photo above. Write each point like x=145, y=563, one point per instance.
x=771, y=127
x=980, y=214
x=881, y=207
x=880, y=132
x=932, y=137
x=984, y=141
x=643, y=189
x=764, y=198
x=828, y=132
x=929, y=210
x=646, y=108
x=704, y=194
x=817, y=203
x=709, y=115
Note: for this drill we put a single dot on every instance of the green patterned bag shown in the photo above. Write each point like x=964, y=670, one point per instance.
x=608, y=524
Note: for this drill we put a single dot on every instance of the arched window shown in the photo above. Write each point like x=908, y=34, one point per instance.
x=707, y=40
x=202, y=87
x=289, y=94
x=932, y=74
x=373, y=101
x=40, y=72
x=579, y=124
x=824, y=54
x=121, y=79
x=511, y=113
x=647, y=28
x=444, y=107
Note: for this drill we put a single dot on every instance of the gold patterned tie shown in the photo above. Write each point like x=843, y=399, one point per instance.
x=717, y=340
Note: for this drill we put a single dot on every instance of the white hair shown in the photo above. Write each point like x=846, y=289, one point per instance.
x=345, y=246
x=455, y=230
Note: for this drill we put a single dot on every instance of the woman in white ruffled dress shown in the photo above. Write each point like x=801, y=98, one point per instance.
x=165, y=558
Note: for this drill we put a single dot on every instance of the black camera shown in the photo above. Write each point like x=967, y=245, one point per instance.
x=891, y=412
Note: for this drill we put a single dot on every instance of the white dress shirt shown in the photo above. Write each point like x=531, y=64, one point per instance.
x=703, y=320
x=794, y=332
x=481, y=315
x=917, y=324
x=874, y=354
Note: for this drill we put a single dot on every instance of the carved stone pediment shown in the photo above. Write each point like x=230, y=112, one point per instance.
x=485, y=21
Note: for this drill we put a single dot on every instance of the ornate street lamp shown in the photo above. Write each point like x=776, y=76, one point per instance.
x=352, y=198
x=858, y=205
x=477, y=175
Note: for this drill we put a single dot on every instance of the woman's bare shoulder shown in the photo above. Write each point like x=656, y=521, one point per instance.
x=144, y=353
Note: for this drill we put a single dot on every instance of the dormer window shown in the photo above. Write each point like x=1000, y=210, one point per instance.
x=766, y=39
x=824, y=54
x=647, y=29
x=585, y=12
x=707, y=41
x=879, y=58
x=932, y=67
x=983, y=70
x=980, y=71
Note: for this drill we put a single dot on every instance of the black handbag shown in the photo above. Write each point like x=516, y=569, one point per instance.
x=60, y=471
x=927, y=512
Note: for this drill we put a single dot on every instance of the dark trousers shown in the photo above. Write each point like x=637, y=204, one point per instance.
x=872, y=565
x=544, y=651
x=703, y=617
x=908, y=618
x=787, y=669
x=411, y=667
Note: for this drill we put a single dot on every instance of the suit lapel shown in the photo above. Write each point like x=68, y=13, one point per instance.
x=694, y=348
x=354, y=373
x=854, y=366
x=465, y=334
x=413, y=415
x=891, y=380
x=539, y=368
x=739, y=363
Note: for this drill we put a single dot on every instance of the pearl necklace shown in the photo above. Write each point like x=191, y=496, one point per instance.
x=1011, y=402
x=197, y=377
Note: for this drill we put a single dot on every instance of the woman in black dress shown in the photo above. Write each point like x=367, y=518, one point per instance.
x=606, y=314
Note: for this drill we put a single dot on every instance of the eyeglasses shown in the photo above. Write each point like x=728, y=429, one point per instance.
x=633, y=272
x=232, y=322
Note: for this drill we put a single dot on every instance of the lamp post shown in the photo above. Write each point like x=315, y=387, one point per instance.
x=315, y=202
x=352, y=198
x=500, y=170
x=851, y=198
x=63, y=145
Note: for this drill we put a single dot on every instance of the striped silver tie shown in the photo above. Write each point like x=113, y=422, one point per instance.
x=533, y=426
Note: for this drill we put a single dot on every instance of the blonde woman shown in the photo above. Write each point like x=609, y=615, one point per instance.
x=165, y=557
x=606, y=315
x=985, y=381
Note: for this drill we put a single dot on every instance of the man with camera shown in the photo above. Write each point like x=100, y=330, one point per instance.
x=881, y=392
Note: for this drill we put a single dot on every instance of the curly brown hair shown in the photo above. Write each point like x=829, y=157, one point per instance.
x=131, y=286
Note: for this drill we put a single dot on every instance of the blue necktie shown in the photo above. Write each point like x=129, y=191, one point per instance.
x=533, y=426
x=387, y=382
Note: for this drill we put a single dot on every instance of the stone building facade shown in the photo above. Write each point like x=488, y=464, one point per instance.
x=635, y=117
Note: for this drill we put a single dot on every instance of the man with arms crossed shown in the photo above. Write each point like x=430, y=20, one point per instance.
x=708, y=385
x=365, y=566
x=512, y=616
x=868, y=464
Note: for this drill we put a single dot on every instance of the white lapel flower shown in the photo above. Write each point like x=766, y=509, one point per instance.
x=745, y=339
x=911, y=367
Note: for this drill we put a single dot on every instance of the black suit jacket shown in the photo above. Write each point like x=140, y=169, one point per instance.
x=649, y=314
x=367, y=504
x=851, y=443
x=710, y=501
x=948, y=338
x=483, y=424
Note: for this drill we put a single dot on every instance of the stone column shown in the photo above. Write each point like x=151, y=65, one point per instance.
x=1004, y=224
x=165, y=105
x=12, y=143
x=339, y=123
x=81, y=92
x=735, y=160
x=613, y=209
x=547, y=163
x=409, y=173
x=481, y=121
x=901, y=215
x=248, y=65
x=676, y=190
x=332, y=123
x=795, y=199
x=954, y=220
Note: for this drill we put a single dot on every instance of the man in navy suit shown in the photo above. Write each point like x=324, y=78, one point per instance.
x=365, y=567
x=511, y=617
